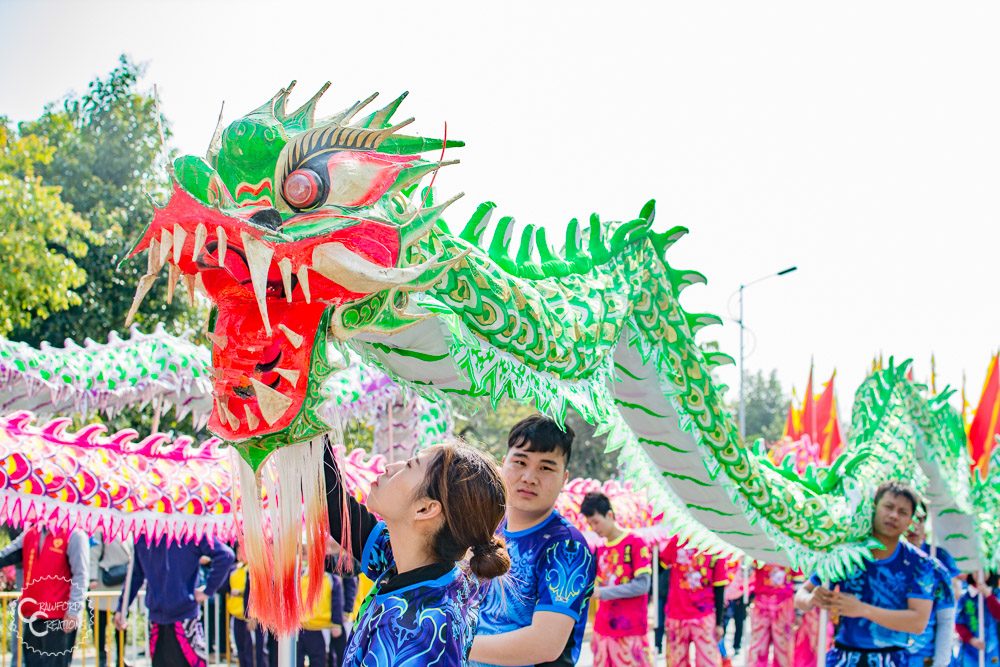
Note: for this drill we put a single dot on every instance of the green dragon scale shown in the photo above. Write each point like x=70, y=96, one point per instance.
x=310, y=235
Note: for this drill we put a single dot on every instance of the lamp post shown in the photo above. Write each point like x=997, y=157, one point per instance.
x=743, y=411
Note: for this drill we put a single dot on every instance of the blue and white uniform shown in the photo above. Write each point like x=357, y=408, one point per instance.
x=552, y=569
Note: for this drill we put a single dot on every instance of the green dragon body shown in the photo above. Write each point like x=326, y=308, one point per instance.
x=338, y=247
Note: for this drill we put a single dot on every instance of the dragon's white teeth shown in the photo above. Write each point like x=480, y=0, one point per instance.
x=252, y=420
x=225, y=415
x=219, y=340
x=200, y=236
x=173, y=274
x=303, y=274
x=189, y=282
x=234, y=421
x=153, y=264
x=166, y=245
x=291, y=375
x=293, y=338
x=223, y=244
x=200, y=284
x=285, y=266
x=259, y=259
x=179, y=237
x=273, y=404
x=141, y=290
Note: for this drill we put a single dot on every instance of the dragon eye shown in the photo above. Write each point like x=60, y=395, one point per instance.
x=302, y=188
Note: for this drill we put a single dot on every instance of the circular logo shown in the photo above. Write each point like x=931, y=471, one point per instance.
x=46, y=621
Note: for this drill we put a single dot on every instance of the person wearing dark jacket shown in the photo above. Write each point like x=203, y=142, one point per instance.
x=173, y=599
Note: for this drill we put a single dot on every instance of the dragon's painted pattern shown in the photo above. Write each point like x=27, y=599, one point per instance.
x=128, y=489
x=170, y=370
x=329, y=244
x=107, y=377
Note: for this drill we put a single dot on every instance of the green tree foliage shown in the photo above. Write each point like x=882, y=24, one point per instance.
x=107, y=159
x=44, y=240
x=488, y=429
x=766, y=407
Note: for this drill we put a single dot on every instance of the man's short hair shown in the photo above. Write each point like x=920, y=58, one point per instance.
x=538, y=433
x=897, y=488
x=595, y=502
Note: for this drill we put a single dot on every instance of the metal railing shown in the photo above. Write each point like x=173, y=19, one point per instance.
x=87, y=649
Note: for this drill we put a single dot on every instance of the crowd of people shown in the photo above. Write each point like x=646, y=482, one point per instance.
x=455, y=560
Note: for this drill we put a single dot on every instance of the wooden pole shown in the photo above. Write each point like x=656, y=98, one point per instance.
x=821, y=636
x=981, y=599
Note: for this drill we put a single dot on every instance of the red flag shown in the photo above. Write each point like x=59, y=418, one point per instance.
x=984, y=428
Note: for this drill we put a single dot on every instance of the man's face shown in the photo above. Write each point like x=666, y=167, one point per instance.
x=893, y=515
x=602, y=524
x=533, y=479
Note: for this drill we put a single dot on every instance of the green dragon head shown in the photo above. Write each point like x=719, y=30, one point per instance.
x=296, y=229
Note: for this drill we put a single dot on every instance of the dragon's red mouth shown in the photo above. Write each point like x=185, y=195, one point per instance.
x=271, y=291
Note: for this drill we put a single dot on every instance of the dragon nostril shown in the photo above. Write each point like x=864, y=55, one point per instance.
x=244, y=392
x=269, y=217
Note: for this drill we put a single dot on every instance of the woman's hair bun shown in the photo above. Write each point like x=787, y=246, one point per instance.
x=490, y=560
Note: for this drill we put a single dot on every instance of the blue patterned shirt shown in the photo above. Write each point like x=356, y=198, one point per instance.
x=429, y=623
x=944, y=597
x=552, y=569
x=888, y=583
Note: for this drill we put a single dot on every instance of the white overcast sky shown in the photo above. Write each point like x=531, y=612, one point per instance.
x=857, y=140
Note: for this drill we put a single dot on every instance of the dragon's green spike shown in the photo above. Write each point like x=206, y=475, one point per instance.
x=304, y=117
x=575, y=253
x=682, y=279
x=215, y=144
x=274, y=106
x=474, y=228
x=598, y=251
x=405, y=145
x=498, y=249
x=716, y=359
x=410, y=175
x=698, y=321
x=623, y=235
x=552, y=265
x=380, y=119
x=417, y=227
x=344, y=117
x=663, y=240
x=527, y=266
x=648, y=211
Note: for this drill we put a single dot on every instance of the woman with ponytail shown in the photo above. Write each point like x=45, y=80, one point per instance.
x=434, y=510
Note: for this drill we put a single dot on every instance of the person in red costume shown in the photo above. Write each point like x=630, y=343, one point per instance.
x=624, y=572
x=56, y=570
x=773, y=618
x=696, y=606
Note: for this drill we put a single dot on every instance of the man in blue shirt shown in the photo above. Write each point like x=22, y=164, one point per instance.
x=886, y=601
x=538, y=617
x=932, y=648
x=171, y=576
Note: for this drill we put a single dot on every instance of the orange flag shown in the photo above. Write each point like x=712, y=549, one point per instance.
x=793, y=422
x=984, y=428
x=809, y=409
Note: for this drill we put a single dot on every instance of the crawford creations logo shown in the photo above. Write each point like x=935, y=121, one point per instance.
x=45, y=626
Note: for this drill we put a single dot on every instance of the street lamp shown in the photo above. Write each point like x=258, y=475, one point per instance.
x=743, y=412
